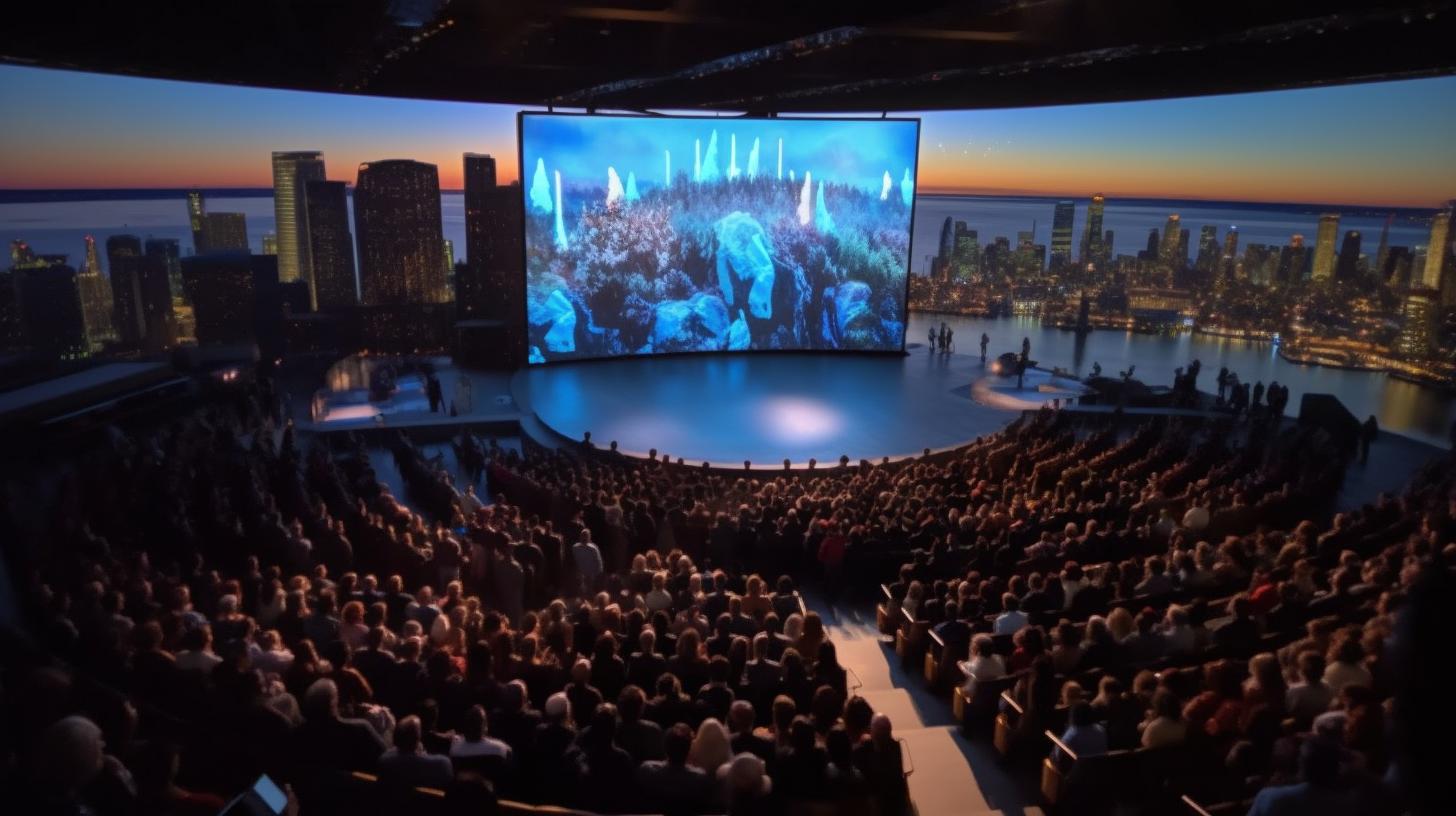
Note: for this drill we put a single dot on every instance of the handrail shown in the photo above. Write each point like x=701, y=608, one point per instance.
x=1062, y=746
x=905, y=750
x=1010, y=702
x=858, y=684
x=1197, y=809
x=935, y=636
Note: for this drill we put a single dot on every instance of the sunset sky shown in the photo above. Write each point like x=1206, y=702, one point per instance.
x=1385, y=144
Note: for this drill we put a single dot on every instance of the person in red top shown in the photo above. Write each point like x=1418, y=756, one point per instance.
x=831, y=556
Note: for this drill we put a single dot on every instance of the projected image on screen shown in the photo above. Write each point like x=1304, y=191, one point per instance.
x=651, y=235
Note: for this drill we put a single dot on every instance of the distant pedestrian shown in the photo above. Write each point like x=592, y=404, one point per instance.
x=932, y=340
x=1368, y=432
x=985, y=341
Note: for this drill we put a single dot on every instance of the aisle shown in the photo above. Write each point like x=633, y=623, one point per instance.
x=952, y=776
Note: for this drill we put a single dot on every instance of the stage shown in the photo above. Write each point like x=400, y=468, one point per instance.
x=767, y=407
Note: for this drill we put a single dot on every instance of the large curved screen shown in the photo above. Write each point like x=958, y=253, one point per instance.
x=652, y=235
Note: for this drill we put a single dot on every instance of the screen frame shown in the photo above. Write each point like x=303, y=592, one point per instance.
x=521, y=115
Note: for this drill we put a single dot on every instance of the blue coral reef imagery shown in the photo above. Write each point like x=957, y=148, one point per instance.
x=649, y=235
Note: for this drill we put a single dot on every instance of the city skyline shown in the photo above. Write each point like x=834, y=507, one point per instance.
x=1332, y=145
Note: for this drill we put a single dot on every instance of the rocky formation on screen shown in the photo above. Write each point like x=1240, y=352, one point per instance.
x=764, y=260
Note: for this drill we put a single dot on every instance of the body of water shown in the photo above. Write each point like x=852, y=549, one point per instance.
x=1398, y=406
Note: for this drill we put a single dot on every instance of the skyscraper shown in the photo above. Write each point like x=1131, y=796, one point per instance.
x=397, y=217
x=169, y=251
x=1207, y=248
x=237, y=298
x=225, y=232
x=50, y=310
x=1324, y=247
x=1093, y=250
x=1172, y=234
x=448, y=258
x=1346, y=265
x=1062, y=217
x=1438, y=247
x=967, y=256
x=330, y=245
x=196, y=212
x=1418, y=324
x=96, y=301
x=123, y=256
x=1227, y=264
x=947, y=238
x=1383, y=253
x=291, y=171
x=270, y=242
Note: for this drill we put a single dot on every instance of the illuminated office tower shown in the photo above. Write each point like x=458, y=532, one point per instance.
x=330, y=245
x=1153, y=241
x=196, y=212
x=225, y=232
x=123, y=254
x=1207, y=248
x=491, y=283
x=967, y=252
x=236, y=296
x=1062, y=218
x=96, y=300
x=1172, y=234
x=270, y=243
x=291, y=171
x=1383, y=253
x=1093, y=248
x=1231, y=251
x=1438, y=248
x=1324, y=247
x=1346, y=267
x=397, y=217
x=1418, y=323
x=50, y=309
x=449, y=258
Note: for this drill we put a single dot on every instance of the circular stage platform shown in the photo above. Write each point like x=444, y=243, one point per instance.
x=767, y=407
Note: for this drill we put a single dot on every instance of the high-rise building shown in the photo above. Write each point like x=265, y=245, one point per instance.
x=270, y=243
x=1438, y=248
x=196, y=216
x=225, y=232
x=1207, y=258
x=97, y=303
x=1094, y=250
x=12, y=331
x=1172, y=234
x=449, y=258
x=292, y=170
x=397, y=217
x=1346, y=266
x=1418, y=324
x=50, y=310
x=1231, y=253
x=491, y=283
x=1153, y=241
x=169, y=250
x=1324, y=247
x=1383, y=253
x=123, y=257
x=947, y=238
x=1062, y=217
x=967, y=256
x=1292, y=260
x=331, y=245
x=236, y=297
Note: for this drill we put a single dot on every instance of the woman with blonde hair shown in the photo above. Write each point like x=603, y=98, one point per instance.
x=711, y=748
x=756, y=603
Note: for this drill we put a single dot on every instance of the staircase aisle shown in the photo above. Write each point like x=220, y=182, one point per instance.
x=952, y=776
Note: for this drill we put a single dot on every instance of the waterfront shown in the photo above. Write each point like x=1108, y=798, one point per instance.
x=1402, y=407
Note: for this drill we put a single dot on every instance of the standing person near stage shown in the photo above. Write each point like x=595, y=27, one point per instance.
x=985, y=341
x=932, y=339
x=949, y=340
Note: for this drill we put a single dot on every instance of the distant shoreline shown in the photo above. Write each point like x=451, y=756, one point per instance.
x=28, y=196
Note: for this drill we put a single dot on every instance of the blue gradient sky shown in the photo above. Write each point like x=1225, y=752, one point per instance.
x=1386, y=143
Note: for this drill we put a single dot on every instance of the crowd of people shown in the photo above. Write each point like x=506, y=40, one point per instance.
x=212, y=599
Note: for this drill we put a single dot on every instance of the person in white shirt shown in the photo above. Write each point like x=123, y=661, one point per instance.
x=1013, y=619
x=1178, y=636
x=470, y=503
x=659, y=598
x=588, y=559
x=1072, y=582
x=984, y=664
x=1345, y=667
x=473, y=742
x=1312, y=697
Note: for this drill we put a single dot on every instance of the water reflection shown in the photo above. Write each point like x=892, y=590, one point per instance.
x=1398, y=406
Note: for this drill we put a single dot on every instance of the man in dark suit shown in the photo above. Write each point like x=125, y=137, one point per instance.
x=327, y=741
x=645, y=666
x=744, y=741
x=672, y=786
x=408, y=765
x=374, y=661
x=639, y=737
x=514, y=723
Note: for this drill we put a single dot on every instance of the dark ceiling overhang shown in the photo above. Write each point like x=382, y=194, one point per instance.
x=748, y=55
